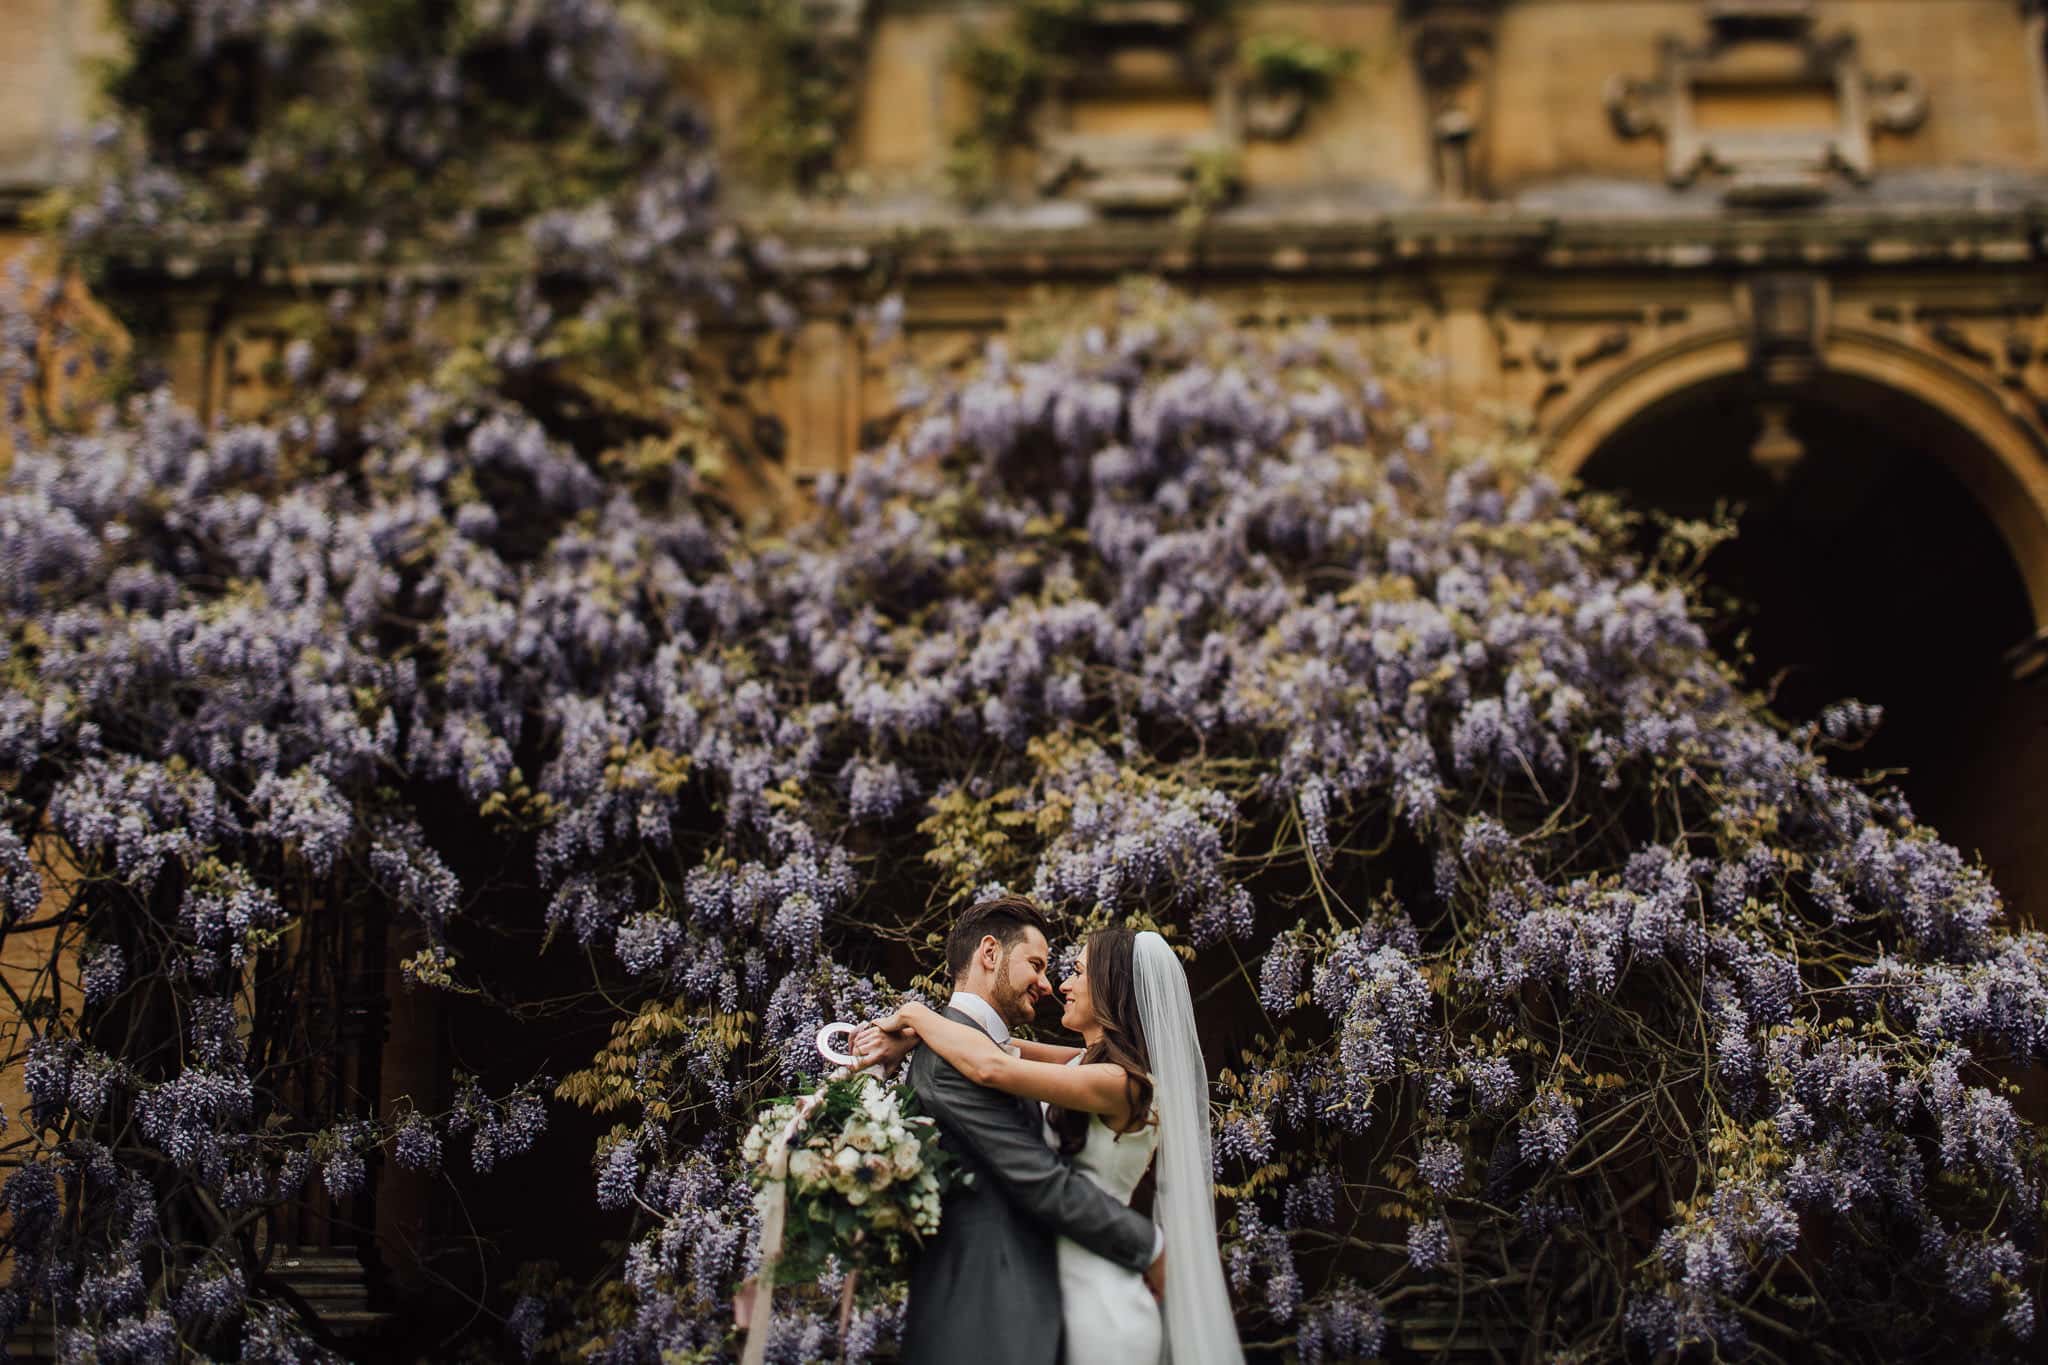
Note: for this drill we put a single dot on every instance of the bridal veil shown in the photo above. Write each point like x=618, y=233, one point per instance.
x=1199, y=1326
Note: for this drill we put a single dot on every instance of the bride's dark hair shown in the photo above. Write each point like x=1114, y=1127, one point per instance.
x=1112, y=989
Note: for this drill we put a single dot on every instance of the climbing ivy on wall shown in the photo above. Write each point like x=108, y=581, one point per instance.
x=1008, y=66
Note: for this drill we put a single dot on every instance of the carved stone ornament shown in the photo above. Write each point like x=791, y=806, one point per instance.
x=1156, y=105
x=1547, y=350
x=1785, y=321
x=1274, y=115
x=1776, y=450
x=1766, y=101
x=1454, y=61
x=2003, y=342
x=1144, y=57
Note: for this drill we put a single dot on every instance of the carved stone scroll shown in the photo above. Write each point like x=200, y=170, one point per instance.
x=1766, y=101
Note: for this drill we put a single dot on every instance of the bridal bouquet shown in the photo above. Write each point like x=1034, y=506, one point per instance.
x=858, y=1172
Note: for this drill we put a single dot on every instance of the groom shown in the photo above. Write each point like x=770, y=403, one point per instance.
x=986, y=1290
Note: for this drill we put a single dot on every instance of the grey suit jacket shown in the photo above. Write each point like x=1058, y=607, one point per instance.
x=986, y=1289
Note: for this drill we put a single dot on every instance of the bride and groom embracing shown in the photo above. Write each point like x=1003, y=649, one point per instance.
x=1039, y=1258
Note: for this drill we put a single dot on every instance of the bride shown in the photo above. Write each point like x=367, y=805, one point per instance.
x=1137, y=1090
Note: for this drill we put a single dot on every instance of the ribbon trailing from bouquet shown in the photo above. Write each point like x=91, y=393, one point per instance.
x=774, y=1207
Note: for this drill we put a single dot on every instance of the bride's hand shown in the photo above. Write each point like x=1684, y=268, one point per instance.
x=888, y=1040
x=883, y=1042
x=906, y=1018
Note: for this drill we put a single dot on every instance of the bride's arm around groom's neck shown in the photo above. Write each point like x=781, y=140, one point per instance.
x=1028, y=1173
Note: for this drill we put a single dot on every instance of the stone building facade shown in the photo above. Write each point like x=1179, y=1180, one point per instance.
x=1788, y=252
x=1785, y=251
x=1790, y=230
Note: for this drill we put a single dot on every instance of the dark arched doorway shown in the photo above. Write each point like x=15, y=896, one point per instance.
x=1871, y=572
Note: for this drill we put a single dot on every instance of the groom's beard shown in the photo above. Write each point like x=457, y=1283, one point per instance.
x=1012, y=1004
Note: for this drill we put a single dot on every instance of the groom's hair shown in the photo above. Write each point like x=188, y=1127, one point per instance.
x=1007, y=917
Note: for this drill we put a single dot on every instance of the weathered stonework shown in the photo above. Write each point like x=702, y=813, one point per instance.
x=1454, y=55
x=1765, y=61
x=1152, y=95
x=45, y=91
x=1483, y=193
x=1468, y=192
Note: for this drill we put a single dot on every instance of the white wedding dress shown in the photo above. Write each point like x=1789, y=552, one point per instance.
x=1110, y=1317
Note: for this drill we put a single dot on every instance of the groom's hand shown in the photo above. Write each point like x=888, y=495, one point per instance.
x=1155, y=1277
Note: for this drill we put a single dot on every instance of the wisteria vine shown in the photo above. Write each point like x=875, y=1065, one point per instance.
x=1558, y=994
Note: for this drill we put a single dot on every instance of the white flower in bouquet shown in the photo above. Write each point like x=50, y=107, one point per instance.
x=880, y=1105
x=862, y=1178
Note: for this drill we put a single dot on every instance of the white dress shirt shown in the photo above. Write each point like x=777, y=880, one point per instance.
x=983, y=1013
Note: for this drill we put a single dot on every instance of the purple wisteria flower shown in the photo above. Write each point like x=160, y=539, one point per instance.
x=1429, y=1244
x=1550, y=1126
x=1348, y=1325
x=1441, y=1165
x=1233, y=633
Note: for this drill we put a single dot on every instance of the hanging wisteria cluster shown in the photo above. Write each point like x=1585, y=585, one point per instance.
x=247, y=665
x=1557, y=993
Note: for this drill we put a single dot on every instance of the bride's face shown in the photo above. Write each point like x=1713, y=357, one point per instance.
x=1079, y=1015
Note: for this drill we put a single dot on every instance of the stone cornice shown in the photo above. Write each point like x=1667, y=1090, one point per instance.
x=1273, y=247
x=1372, y=243
x=229, y=255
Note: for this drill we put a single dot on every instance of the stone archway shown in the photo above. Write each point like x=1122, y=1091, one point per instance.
x=2004, y=461
x=1896, y=563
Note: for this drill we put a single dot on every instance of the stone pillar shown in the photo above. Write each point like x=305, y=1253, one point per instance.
x=190, y=347
x=823, y=405
x=1467, y=345
x=2037, y=67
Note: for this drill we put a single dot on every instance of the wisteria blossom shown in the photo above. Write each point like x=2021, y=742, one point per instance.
x=1525, y=937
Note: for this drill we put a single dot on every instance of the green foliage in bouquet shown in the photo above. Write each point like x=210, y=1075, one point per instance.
x=865, y=1174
